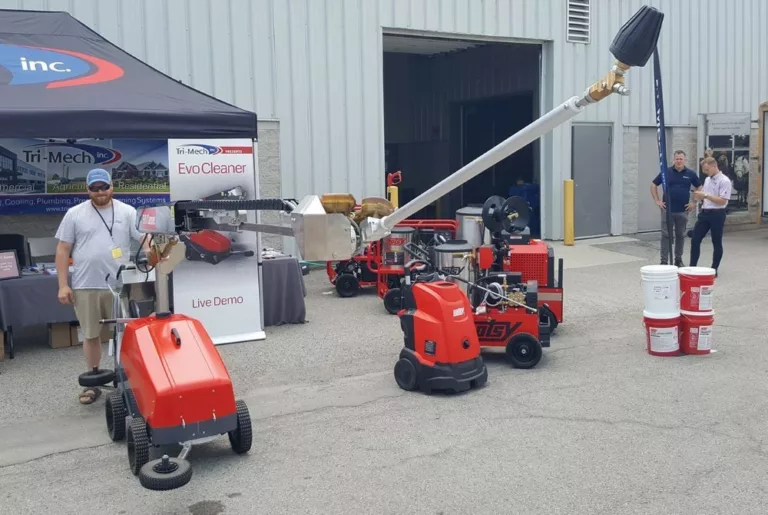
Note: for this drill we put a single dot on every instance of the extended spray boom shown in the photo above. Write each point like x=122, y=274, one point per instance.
x=328, y=228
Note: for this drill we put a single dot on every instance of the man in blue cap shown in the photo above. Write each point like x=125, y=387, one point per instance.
x=97, y=235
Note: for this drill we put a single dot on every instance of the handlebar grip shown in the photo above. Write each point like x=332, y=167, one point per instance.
x=413, y=262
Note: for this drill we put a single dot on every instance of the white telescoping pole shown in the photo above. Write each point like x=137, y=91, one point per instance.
x=535, y=130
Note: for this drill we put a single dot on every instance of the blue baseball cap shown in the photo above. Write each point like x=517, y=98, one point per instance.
x=98, y=175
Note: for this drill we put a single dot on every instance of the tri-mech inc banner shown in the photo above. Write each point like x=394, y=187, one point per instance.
x=218, y=281
x=39, y=176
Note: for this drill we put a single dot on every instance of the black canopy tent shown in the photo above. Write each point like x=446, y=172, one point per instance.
x=60, y=79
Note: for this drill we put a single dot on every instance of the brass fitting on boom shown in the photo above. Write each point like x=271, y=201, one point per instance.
x=613, y=82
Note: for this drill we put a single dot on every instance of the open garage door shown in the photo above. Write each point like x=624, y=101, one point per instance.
x=446, y=102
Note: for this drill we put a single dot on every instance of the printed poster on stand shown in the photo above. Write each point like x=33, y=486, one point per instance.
x=47, y=177
x=219, y=288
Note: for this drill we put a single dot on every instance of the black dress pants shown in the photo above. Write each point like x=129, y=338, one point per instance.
x=709, y=221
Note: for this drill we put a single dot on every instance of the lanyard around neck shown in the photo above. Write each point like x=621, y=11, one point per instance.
x=109, y=228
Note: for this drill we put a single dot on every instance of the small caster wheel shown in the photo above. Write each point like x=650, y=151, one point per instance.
x=523, y=351
x=165, y=473
x=393, y=301
x=241, y=438
x=405, y=374
x=115, y=411
x=347, y=285
x=138, y=445
x=96, y=377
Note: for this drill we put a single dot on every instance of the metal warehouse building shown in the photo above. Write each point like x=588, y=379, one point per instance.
x=349, y=90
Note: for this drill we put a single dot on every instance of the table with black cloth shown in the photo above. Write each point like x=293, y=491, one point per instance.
x=33, y=299
x=284, y=291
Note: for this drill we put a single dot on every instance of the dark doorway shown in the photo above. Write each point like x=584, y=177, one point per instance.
x=448, y=101
x=485, y=124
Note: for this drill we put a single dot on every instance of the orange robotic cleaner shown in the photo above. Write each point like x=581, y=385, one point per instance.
x=171, y=386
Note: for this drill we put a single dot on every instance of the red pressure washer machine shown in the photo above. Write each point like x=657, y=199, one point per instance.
x=441, y=349
x=509, y=250
x=505, y=309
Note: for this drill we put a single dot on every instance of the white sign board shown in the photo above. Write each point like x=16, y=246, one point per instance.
x=218, y=282
x=729, y=124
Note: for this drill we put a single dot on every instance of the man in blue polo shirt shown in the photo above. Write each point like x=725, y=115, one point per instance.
x=680, y=181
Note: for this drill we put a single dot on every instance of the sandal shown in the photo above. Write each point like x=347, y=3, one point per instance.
x=89, y=395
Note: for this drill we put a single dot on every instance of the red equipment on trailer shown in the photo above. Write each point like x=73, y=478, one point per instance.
x=381, y=264
x=513, y=252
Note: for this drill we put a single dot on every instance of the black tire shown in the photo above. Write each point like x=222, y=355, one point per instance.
x=165, y=474
x=138, y=445
x=524, y=351
x=94, y=378
x=115, y=412
x=546, y=313
x=406, y=375
x=393, y=301
x=241, y=438
x=347, y=285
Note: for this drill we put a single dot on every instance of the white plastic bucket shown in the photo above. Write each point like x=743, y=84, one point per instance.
x=661, y=291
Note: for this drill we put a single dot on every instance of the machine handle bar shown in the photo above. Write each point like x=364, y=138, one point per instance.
x=264, y=204
x=117, y=320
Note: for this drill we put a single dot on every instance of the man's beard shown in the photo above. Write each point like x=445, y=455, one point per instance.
x=102, y=201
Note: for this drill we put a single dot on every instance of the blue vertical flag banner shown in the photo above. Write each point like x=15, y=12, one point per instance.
x=661, y=137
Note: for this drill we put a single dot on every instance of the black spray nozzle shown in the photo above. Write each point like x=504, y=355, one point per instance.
x=637, y=38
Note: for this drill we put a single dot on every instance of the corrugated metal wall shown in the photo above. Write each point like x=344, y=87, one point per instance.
x=713, y=55
x=316, y=65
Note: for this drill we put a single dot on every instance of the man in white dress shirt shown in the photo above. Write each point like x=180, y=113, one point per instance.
x=714, y=195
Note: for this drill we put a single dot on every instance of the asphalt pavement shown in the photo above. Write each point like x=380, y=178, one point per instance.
x=599, y=426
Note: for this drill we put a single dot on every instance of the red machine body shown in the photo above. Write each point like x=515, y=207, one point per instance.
x=366, y=269
x=495, y=327
x=535, y=260
x=520, y=331
x=176, y=378
x=442, y=350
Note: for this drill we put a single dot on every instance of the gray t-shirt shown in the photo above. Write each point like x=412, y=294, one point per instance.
x=92, y=245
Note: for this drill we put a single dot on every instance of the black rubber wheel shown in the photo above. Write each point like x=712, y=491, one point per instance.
x=406, y=375
x=347, y=285
x=165, y=474
x=393, y=301
x=241, y=438
x=524, y=351
x=98, y=377
x=546, y=313
x=137, y=444
x=115, y=411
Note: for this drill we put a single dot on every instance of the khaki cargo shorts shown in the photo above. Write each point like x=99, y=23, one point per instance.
x=91, y=306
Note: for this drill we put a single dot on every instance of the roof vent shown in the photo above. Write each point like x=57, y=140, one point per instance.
x=578, y=21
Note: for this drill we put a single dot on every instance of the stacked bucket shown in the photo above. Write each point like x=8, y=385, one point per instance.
x=678, y=315
x=696, y=314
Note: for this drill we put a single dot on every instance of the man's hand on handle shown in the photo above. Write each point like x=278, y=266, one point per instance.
x=661, y=204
